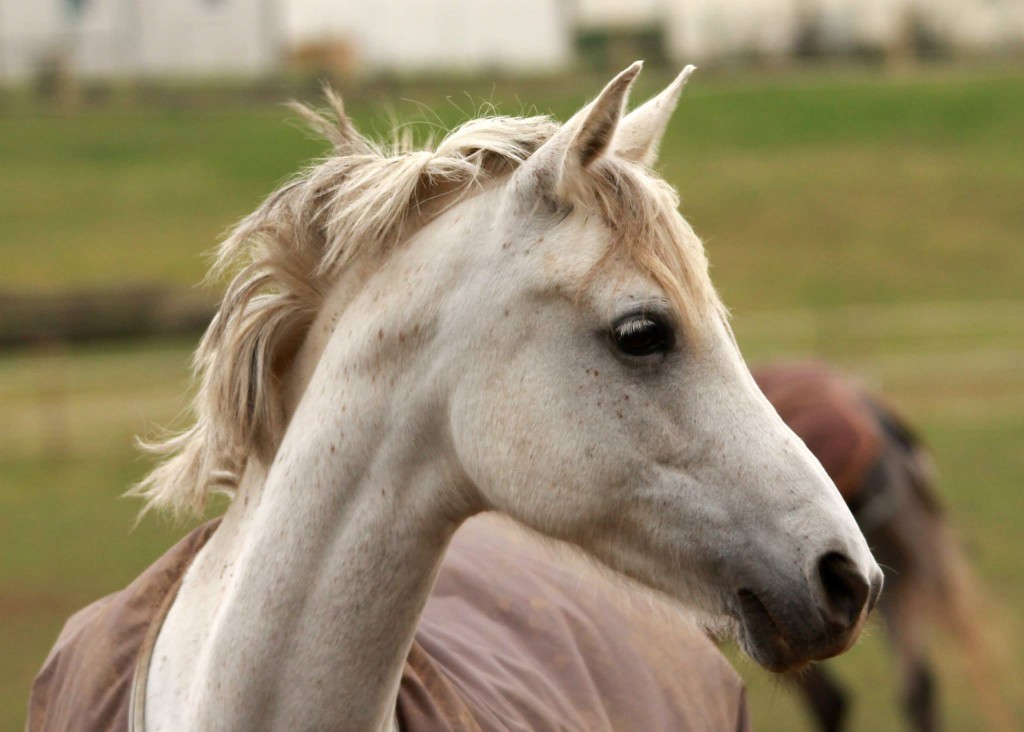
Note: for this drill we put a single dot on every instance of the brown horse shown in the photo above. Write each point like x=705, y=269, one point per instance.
x=884, y=472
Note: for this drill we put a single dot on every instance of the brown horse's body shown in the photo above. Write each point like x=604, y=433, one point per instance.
x=884, y=472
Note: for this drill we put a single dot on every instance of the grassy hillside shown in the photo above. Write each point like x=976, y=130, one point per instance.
x=872, y=220
x=815, y=191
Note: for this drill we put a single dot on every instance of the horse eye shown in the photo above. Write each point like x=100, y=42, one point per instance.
x=642, y=335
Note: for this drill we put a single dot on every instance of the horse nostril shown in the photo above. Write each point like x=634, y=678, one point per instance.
x=846, y=589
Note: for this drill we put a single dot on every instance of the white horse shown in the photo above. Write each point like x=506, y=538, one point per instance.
x=517, y=321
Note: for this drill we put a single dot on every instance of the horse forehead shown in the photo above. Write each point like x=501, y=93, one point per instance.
x=587, y=266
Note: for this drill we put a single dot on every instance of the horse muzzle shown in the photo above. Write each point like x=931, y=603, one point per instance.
x=784, y=631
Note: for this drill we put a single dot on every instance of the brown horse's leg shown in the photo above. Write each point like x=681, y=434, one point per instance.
x=919, y=693
x=824, y=695
x=919, y=697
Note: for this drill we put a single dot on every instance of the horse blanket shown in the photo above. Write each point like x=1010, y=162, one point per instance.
x=510, y=639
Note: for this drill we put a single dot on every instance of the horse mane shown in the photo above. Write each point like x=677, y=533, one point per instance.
x=364, y=196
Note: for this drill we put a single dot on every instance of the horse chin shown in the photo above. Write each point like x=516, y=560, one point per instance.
x=769, y=643
x=759, y=638
x=770, y=651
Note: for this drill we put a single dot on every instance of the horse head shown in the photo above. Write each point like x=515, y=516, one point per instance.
x=519, y=320
x=599, y=397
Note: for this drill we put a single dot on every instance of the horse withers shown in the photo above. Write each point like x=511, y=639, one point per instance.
x=516, y=321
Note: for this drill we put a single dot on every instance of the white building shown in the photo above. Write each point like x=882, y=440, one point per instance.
x=175, y=38
x=697, y=30
x=442, y=35
x=956, y=25
x=709, y=29
x=140, y=38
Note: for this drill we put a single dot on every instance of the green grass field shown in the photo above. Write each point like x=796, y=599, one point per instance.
x=875, y=220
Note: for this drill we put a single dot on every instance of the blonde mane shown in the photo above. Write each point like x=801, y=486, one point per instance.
x=367, y=197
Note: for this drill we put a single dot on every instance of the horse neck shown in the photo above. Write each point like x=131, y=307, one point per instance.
x=316, y=580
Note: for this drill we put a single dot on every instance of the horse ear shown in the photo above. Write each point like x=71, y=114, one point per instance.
x=584, y=138
x=597, y=122
x=639, y=135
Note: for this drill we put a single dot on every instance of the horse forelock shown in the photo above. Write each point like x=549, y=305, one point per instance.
x=641, y=212
x=366, y=197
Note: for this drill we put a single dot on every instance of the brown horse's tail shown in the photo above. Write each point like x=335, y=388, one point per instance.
x=940, y=585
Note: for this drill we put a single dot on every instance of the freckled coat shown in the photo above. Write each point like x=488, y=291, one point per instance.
x=510, y=640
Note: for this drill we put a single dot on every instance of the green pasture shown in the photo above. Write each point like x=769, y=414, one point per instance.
x=873, y=219
x=810, y=189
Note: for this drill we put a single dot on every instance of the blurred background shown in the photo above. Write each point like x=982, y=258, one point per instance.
x=856, y=168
